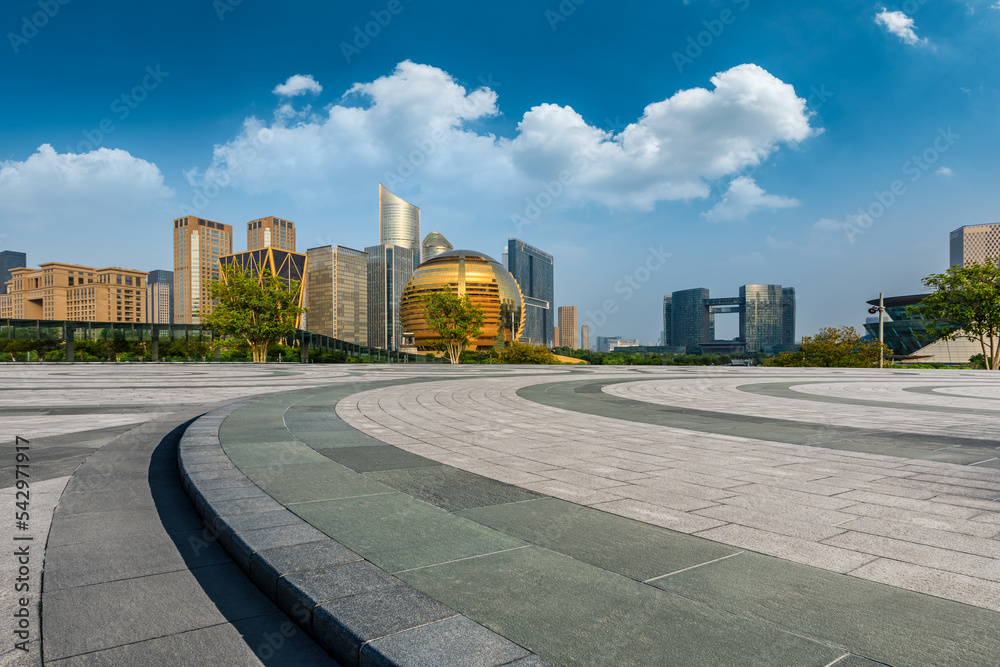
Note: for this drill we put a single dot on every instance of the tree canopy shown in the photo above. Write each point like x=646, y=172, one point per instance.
x=454, y=318
x=253, y=311
x=965, y=304
x=833, y=347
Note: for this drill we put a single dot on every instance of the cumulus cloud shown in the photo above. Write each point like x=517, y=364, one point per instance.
x=50, y=185
x=945, y=172
x=743, y=198
x=418, y=127
x=900, y=25
x=104, y=191
x=298, y=84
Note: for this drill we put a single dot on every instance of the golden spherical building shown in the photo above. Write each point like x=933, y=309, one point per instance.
x=486, y=282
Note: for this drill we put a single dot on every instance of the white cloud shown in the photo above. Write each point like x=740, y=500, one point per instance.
x=418, y=127
x=298, y=84
x=743, y=198
x=106, y=192
x=945, y=172
x=899, y=24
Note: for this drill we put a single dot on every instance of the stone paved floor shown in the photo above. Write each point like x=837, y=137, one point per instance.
x=784, y=473
x=922, y=525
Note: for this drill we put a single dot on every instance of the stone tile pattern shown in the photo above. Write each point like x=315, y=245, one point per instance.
x=920, y=525
x=359, y=613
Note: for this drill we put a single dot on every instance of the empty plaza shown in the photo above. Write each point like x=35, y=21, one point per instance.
x=502, y=515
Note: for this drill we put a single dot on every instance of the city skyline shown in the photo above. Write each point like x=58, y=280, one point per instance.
x=867, y=131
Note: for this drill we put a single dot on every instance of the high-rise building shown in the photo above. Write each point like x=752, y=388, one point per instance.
x=665, y=337
x=533, y=270
x=567, y=326
x=555, y=336
x=975, y=243
x=389, y=269
x=762, y=316
x=767, y=317
x=690, y=322
x=160, y=297
x=398, y=223
x=58, y=291
x=271, y=232
x=198, y=244
x=337, y=293
x=585, y=337
x=435, y=244
x=788, y=316
x=10, y=259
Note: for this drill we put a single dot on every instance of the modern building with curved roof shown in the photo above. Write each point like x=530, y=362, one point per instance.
x=398, y=222
x=434, y=244
x=481, y=277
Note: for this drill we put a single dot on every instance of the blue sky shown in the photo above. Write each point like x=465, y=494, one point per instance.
x=826, y=146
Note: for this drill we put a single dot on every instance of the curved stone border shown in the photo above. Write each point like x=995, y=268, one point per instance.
x=359, y=613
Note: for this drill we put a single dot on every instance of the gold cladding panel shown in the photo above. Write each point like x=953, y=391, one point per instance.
x=488, y=285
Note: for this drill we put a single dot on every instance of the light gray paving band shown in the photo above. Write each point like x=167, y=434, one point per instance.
x=359, y=613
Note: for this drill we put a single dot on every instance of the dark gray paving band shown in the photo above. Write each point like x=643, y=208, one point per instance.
x=358, y=612
x=933, y=391
x=587, y=397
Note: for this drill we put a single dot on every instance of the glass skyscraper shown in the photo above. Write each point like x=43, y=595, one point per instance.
x=389, y=269
x=10, y=259
x=767, y=317
x=689, y=326
x=534, y=272
x=398, y=222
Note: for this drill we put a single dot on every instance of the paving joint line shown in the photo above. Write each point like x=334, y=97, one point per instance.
x=694, y=567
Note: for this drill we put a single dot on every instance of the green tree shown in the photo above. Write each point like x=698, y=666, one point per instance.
x=251, y=311
x=965, y=304
x=455, y=319
x=833, y=347
x=524, y=353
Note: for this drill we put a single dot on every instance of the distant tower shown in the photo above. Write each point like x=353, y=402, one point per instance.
x=567, y=326
x=585, y=337
x=398, y=222
x=198, y=244
x=975, y=243
x=435, y=244
x=160, y=297
x=271, y=232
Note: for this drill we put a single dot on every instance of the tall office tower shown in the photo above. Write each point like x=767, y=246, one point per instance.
x=198, y=244
x=567, y=326
x=160, y=297
x=271, y=232
x=435, y=244
x=534, y=272
x=337, y=293
x=398, y=223
x=665, y=338
x=788, y=316
x=10, y=259
x=975, y=243
x=58, y=291
x=762, y=317
x=690, y=321
x=389, y=269
x=555, y=336
x=585, y=337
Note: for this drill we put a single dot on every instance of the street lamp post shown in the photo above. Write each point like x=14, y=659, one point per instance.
x=880, y=309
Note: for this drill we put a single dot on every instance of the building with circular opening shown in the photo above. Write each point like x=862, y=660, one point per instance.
x=480, y=276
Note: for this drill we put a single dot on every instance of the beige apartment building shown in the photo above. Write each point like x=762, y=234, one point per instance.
x=58, y=291
x=337, y=293
x=198, y=244
x=567, y=327
x=271, y=232
x=975, y=243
